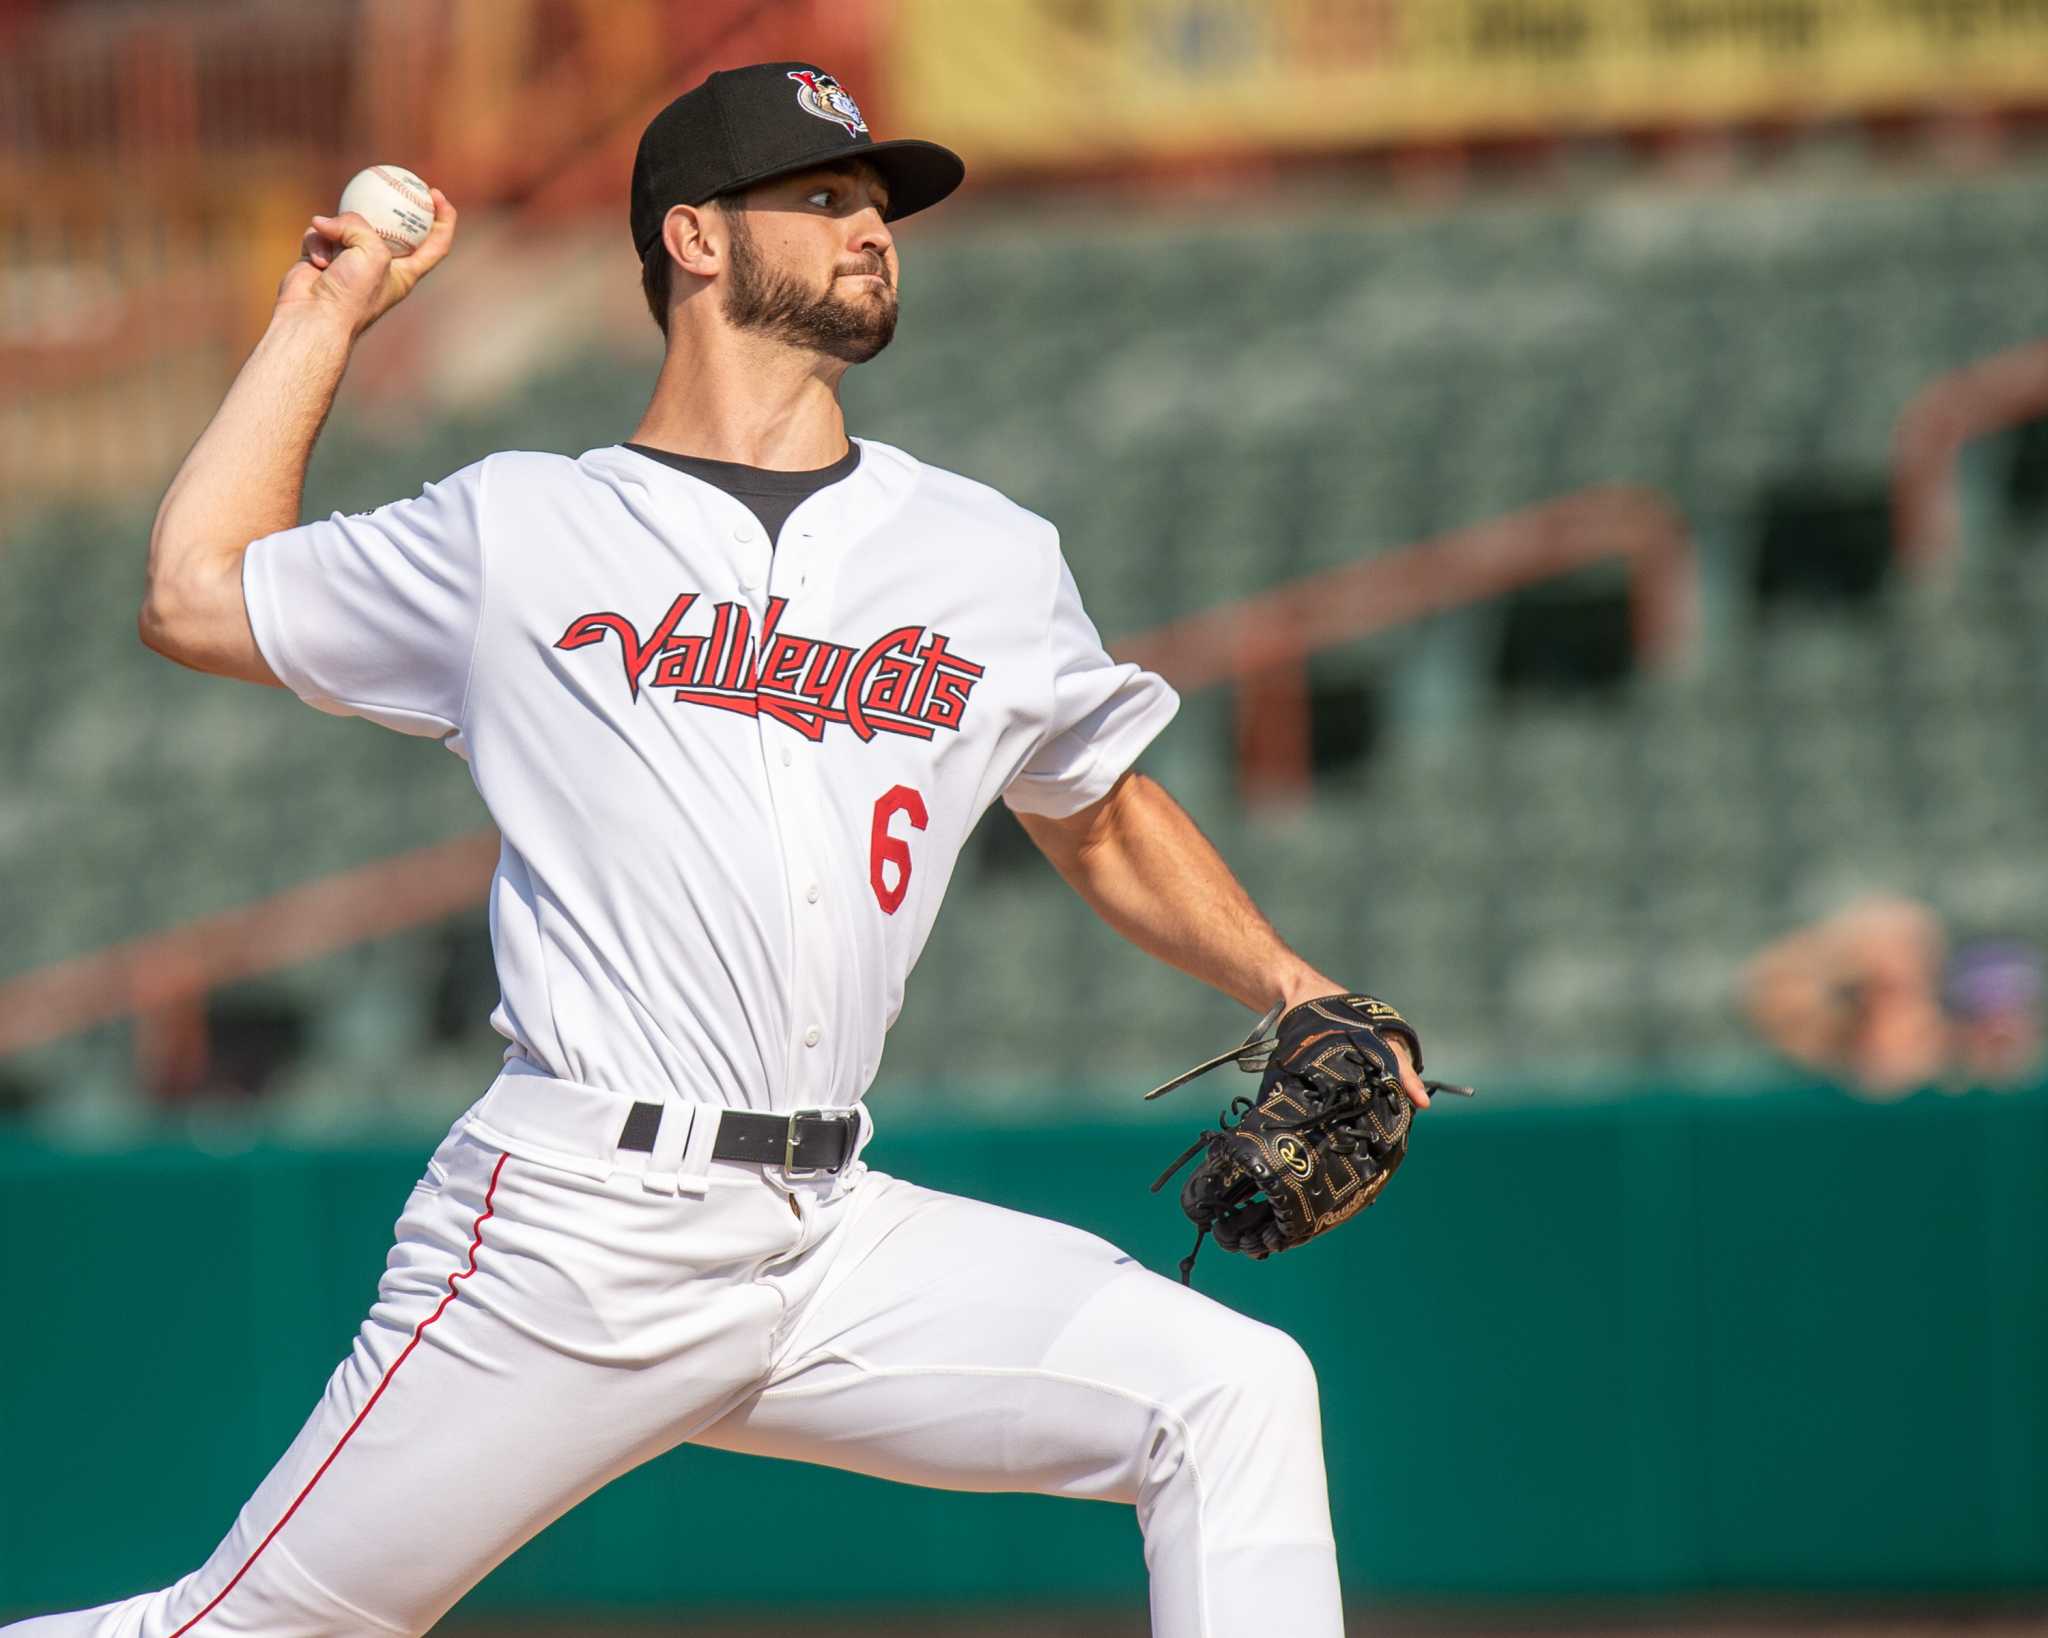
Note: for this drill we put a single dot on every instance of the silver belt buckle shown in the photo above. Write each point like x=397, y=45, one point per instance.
x=794, y=1173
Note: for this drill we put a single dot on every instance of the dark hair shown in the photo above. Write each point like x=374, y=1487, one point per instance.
x=657, y=269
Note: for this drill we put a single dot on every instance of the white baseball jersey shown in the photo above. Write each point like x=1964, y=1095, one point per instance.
x=731, y=777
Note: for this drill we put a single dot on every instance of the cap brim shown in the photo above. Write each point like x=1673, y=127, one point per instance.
x=919, y=174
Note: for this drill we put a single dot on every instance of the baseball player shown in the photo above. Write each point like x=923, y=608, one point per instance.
x=735, y=691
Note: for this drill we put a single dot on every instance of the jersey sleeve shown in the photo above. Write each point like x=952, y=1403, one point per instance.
x=1103, y=714
x=375, y=615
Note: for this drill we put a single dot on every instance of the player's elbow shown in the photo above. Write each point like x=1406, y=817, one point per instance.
x=165, y=622
x=153, y=626
x=195, y=618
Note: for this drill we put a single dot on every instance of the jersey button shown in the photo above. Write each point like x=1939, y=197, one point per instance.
x=787, y=756
x=811, y=1036
x=742, y=531
x=811, y=894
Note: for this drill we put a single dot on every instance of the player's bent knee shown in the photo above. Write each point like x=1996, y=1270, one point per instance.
x=1264, y=1360
x=1264, y=1401
x=1240, y=1378
x=1241, y=1449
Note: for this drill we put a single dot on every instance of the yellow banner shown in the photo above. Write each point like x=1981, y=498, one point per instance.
x=1049, y=81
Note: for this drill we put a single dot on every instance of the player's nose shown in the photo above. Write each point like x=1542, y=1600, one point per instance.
x=871, y=238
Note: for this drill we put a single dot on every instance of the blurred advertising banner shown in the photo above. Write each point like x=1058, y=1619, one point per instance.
x=1031, y=82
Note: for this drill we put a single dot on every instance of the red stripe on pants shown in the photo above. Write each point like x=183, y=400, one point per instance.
x=475, y=1241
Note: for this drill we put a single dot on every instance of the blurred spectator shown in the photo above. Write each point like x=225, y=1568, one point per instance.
x=1994, y=1003
x=1872, y=996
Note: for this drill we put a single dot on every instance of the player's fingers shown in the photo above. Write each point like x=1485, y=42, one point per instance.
x=352, y=232
x=439, y=237
x=1411, y=1083
x=316, y=248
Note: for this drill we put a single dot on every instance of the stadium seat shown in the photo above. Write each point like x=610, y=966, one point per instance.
x=1544, y=883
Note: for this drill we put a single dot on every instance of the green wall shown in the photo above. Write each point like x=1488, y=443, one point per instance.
x=1669, y=1344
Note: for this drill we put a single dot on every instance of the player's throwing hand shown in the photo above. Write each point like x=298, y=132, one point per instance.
x=343, y=261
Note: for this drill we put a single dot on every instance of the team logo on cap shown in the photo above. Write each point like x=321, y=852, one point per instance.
x=825, y=97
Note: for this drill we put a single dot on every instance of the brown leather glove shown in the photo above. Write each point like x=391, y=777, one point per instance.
x=1326, y=1130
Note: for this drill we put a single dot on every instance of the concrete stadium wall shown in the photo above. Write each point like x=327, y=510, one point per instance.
x=1665, y=1345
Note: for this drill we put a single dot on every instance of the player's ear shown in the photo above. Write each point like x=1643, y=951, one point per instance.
x=695, y=239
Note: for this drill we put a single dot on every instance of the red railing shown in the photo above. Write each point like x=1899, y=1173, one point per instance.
x=1260, y=645
x=162, y=980
x=1946, y=416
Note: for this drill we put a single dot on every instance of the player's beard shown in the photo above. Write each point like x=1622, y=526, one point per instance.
x=775, y=303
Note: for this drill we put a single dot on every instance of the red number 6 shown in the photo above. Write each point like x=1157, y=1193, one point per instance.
x=886, y=849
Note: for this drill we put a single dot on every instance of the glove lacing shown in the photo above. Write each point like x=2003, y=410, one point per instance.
x=1343, y=1139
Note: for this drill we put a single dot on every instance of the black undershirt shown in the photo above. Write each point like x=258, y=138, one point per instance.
x=771, y=496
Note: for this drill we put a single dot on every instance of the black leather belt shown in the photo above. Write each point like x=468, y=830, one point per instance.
x=815, y=1141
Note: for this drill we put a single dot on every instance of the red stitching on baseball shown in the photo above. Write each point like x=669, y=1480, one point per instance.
x=398, y=183
x=475, y=1241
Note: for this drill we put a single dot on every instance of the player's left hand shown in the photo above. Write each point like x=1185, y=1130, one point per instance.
x=1410, y=1075
x=1410, y=1078
x=1322, y=1137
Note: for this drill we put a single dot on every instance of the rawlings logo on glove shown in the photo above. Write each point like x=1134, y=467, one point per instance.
x=1315, y=1146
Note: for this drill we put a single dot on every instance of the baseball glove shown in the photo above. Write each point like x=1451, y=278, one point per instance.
x=1327, y=1128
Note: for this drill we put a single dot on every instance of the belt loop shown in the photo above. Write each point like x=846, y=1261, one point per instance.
x=678, y=1121
x=695, y=1168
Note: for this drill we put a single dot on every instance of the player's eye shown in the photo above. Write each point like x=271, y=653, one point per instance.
x=819, y=196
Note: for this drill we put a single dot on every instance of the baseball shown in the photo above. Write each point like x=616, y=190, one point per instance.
x=394, y=202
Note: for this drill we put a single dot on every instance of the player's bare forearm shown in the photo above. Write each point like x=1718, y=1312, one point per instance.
x=245, y=477
x=1144, y=867
x=241, y=481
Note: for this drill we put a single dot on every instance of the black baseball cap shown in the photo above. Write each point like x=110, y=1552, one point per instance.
x=745, y=125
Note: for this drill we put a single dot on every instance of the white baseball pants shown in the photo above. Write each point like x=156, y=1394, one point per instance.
x=540, y=1330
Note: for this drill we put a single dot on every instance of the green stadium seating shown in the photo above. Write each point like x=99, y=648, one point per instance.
x=1548, y=884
